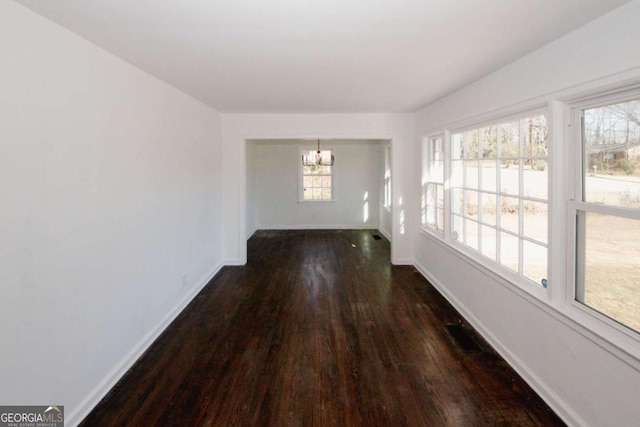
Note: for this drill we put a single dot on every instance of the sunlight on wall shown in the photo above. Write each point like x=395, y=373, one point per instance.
x=366, y=207
x=401, y=216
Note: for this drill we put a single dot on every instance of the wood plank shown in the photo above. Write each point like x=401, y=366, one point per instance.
x=319, y=329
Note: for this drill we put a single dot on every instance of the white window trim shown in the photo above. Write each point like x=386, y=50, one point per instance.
x=425, y=161
x=301, y=151
x=558, y=299
x=623, y=338
x=529, y=286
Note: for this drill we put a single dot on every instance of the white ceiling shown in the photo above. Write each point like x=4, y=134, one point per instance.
x=302, y=56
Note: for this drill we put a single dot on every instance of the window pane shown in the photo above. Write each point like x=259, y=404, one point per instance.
x=440, y=195
x=317, y=193
x=457, y=146
x=326, y=181
x=316, y=181
x=433, y=182
x=488, y=242
x=436, y=172
x=489, y=209
x=525, y=137
x=471, y=174
x=440, y=219
x=307, y=194
x=510, y=177
x=510, y=140
x=471, y=206
x=509, y=213
x=535, y=221
x=509, y=251
x=612, y=155
x=306, y=181
x=534, y=262
x=471, y=238
x=458, y=233
x=456, y=173
x=326, y=194
x=489, y=142
x=471, y=144
x=535, y=180
x=440, y=171
x=325, y=170
x=457, y=201
x=435, y=149
x=431, y=195
x=489, y=175
x=611, y=267
x=535, y=136
x=431, y=215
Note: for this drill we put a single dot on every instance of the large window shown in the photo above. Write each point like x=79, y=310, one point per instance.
x=494, y=181
x=316, y=180
x=607, y=210
x=487, y=192
x=499, y=194
x=433, y=184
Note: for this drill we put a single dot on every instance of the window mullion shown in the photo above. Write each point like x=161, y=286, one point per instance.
x=606, y=210
x=521, y=161
x=579, y=286
x=480, y=192
x=464, y=186
x=446, y=170
x=498, y=167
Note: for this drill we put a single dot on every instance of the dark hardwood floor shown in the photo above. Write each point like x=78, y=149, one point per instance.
x=319, y=329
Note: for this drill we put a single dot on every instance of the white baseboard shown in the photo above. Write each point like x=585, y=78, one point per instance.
x=319, y=227
x=385, y=234
x=556, y=403
x=251, y=232
x=97, y=394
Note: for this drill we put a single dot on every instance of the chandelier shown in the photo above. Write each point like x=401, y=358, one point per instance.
x=319, y=158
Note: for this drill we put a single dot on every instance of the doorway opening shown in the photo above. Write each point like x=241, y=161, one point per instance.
x=282, y=193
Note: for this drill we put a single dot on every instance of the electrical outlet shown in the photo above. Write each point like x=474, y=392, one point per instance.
x=184, y=280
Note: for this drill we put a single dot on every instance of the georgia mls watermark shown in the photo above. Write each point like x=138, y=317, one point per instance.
x=32, y=416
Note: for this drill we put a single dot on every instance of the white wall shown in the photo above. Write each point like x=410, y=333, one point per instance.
x=276, y=167
x=110, y=191
x=250, y=212
x=585, y=379
x=238, y=128
x=384, y=224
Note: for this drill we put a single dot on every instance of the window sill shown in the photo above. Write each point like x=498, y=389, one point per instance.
x=433, y=233
x=317, y=202
x=503, y=276
x=614, y=339
x=625, y=341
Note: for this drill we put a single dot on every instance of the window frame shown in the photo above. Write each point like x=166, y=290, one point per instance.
x=301, y=151
x=516, y=278
x=427, y=161
x=612, y=330
x=558, y=299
